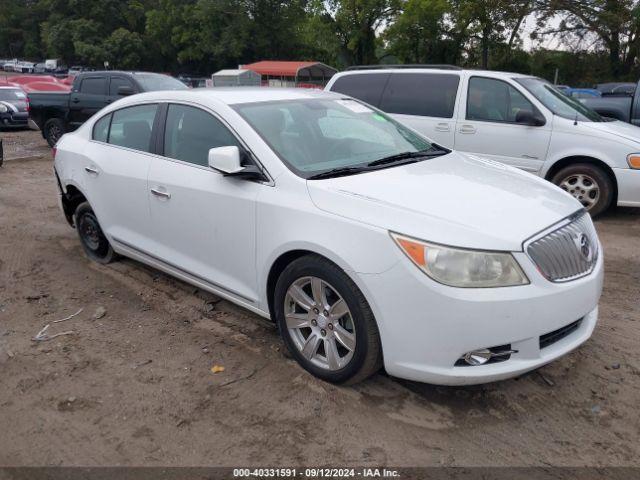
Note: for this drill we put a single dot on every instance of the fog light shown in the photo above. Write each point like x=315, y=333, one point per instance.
x=478, y=357
x=486, y=355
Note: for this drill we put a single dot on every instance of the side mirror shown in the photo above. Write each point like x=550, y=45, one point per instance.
x=125, y=91
x=226, y=160
x=527, y=117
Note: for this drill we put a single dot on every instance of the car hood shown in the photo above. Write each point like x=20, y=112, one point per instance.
x=455, y=199
x=617, y=128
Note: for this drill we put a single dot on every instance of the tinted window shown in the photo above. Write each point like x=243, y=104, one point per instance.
x=101, y=129
x=494, y=101
x=366, y=87
x=93, y=86
x=190, y=133
x=117, y=82
x=131, y=127
x=430, y=95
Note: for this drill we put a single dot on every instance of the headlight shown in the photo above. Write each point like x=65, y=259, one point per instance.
x=634, y=160
x=3, y=108
x=458, y=267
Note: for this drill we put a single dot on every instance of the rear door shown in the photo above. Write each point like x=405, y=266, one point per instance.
x=487, y=125
x=425, y=101
x=90, y=96
x=204, y=223
x=116, y=173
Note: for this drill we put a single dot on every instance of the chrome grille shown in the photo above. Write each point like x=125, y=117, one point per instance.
x=568, y=252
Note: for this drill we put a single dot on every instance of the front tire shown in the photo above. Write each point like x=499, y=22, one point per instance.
x=53, y=129
x=325, y=321
x=589, y=184
x=94, y=243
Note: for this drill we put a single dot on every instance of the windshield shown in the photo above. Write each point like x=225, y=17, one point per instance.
x=154, y=81
x=556, y=101
x=319, y=135
x=11, y=94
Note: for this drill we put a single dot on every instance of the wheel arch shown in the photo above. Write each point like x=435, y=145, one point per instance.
x=70, y=201
x=573, y=159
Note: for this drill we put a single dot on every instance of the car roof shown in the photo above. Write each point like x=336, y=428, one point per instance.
x=488, y=73
x=238, y=95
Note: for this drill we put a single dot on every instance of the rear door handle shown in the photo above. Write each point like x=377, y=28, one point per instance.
x=91, y=170
x=467, y=129
x=75, y=100
x=160, y=193
x=442, y=127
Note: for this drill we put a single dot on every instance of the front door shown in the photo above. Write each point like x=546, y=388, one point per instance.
x=487, y=125
x=204, y=222
x=90, y=97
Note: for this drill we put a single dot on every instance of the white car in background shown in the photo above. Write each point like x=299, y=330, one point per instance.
x=516, y=119
x=367, y=244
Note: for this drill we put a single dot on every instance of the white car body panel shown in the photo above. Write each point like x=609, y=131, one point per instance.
x=533, y=149
x=224, y=234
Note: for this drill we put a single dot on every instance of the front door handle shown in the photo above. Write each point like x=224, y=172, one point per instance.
x=467, y=129
x=442, y=127
x=91, y=170
x=160, y=193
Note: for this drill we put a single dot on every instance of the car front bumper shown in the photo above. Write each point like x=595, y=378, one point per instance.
x=426, y=327
x=628, y=187
x=14, y=119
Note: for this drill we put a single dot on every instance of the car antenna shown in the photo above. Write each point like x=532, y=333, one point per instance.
x=575, y=120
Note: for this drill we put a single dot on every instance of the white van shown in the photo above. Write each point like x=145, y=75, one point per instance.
x=516, y=119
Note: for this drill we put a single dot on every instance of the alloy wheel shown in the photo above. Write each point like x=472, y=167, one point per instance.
x=320, y=323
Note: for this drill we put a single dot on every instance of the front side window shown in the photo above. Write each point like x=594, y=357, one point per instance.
x=155, y=81
x=313, y=136
x=560, y=104
x=116, y=83
x=367, y=87
x=101, y=129
x=190, y=133
x=424, y=94
x=492, y=100
x=93, y=86
x=131, y=127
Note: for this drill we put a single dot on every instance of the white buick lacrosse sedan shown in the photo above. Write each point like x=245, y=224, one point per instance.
x=366, y=243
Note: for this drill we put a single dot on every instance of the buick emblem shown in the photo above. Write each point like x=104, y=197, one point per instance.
x=584, y=246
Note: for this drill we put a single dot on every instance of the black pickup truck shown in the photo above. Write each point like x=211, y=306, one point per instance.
x=621, y=107
x=57, y=113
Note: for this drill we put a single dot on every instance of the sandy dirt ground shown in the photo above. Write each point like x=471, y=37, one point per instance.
x=135, y=387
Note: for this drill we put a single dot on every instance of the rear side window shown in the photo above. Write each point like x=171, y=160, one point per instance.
x=93, y=86
x=190, y=133
x=131, y=127
x=367, y=87
x=429, y=95
x=101, y=129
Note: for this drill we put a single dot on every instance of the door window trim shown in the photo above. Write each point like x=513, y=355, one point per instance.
x=501, y=122
x=161, y=126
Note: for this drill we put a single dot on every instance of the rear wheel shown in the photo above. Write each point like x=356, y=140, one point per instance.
x=53, y=129
x=93, y=241
x=589, y=184
x=326, y=322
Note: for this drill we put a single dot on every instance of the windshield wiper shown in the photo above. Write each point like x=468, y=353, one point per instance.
x=337, y=172
x=430, y=152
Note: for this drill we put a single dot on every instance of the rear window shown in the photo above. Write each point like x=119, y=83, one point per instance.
x=429, y=95
x=366, y=87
